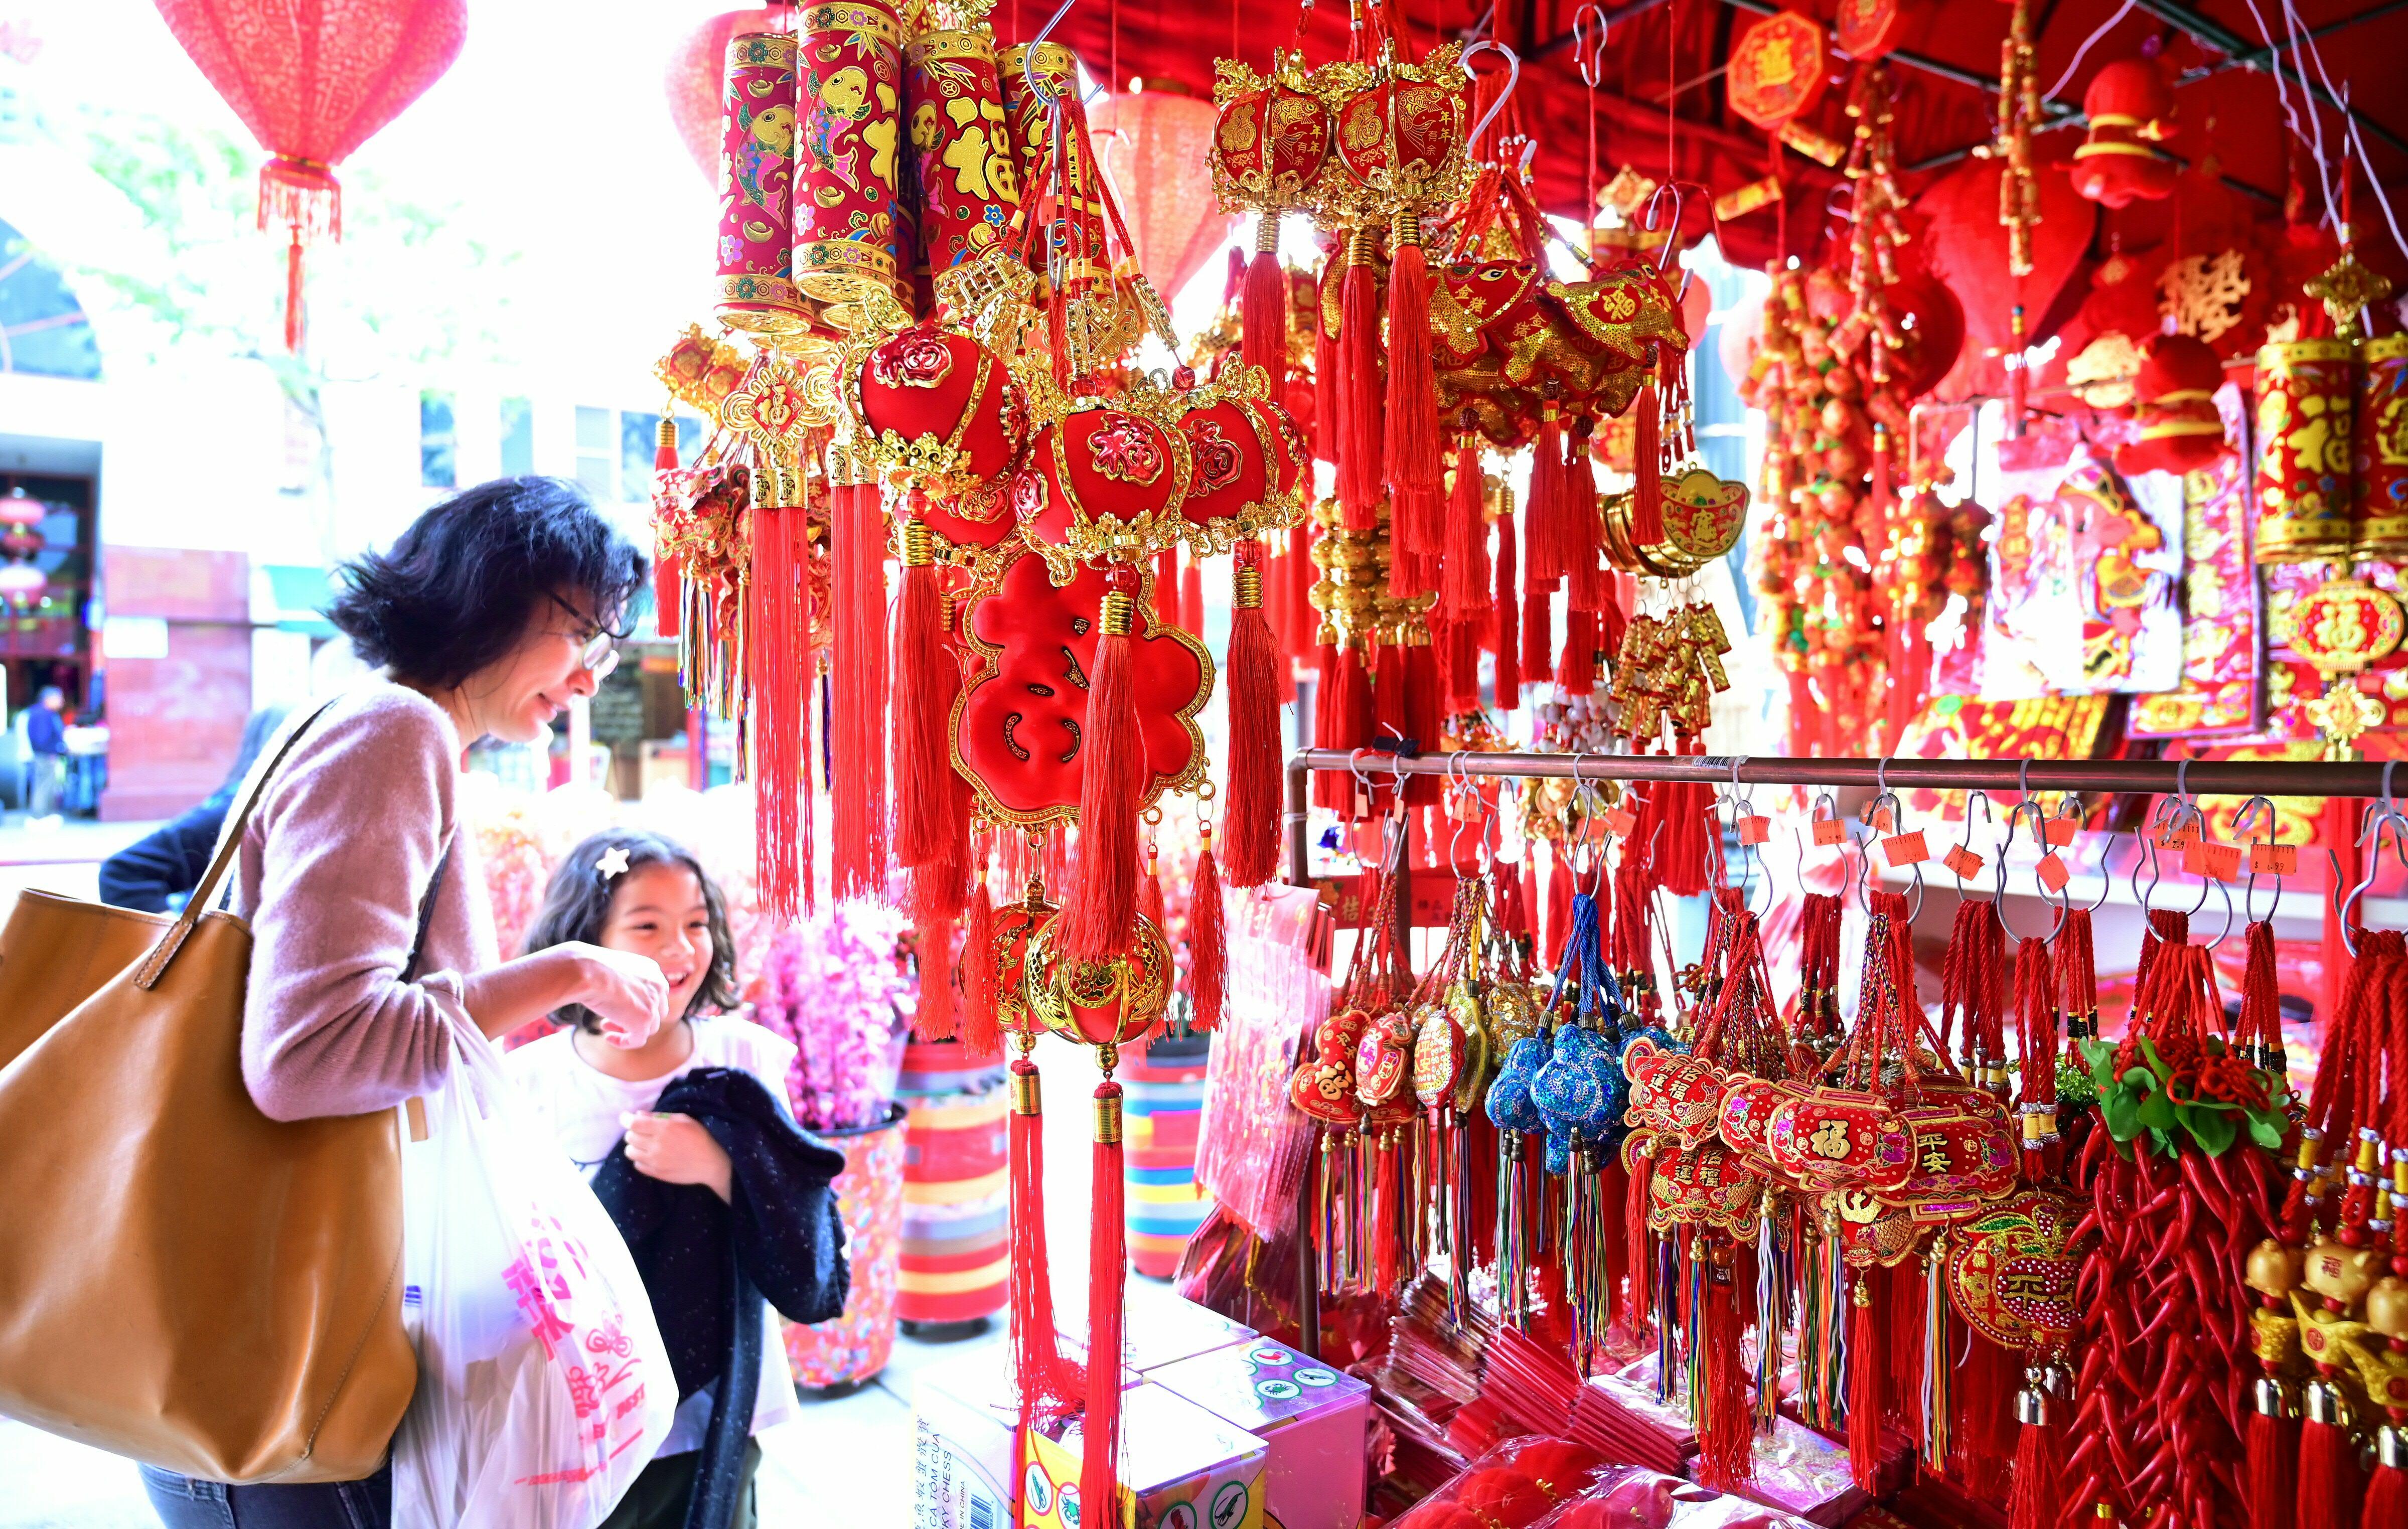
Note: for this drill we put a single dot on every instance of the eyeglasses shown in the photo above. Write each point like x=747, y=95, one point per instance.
x=600, y=656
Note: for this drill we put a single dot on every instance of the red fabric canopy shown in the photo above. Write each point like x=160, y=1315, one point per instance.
x=1945, y=66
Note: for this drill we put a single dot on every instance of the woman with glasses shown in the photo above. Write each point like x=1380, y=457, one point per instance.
x=486, y=617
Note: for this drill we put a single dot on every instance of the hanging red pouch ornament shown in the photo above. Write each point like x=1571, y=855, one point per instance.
x=1248, y=464
x=848, y=233
x=961, y=139
x=2305, y=390
x=757, y=287
x=2130, y=106
x=1104, y=482
x=2174, y=406
x=1865, y=29
x=1271, y=138
x=1777, y=68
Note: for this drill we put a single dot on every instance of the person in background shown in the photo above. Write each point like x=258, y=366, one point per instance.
x=154, y=875
x=46, y=735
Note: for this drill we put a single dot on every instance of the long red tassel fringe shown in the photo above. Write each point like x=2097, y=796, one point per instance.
x=1100, y=907
x=1250, y=815
x=1107, y=1278
x=857, y=598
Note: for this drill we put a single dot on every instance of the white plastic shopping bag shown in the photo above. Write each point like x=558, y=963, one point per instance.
x=543, y=1386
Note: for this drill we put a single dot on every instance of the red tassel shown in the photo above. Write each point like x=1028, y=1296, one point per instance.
x=1387, y=1250
x=1459, y=647
x=1640, y=1296
x=1508, y=619
x=1330, y=788
x=777, y=645
x=982, y=1031
x=1350, y=707
x=1107, y=1282
x=1590, y=584
x=1359, y=386
x=1415, y=468
x=2038, y=1501
x=1865, y=1362
x=1149, y=895
x=1537, y=636
x=2386, y=1499
x=1681, y=868
x=923, y=706
x=1576, y=669
x=1424, y=708
x=293, y=283
x=1191, y=596
x=668, y=592
x=1048, y=1383
x=1902, y=1401
x=2273, y=1458
x=935, y=1019
x=857, y=597
x=1100, y=907
x=1983, y=1431
x=1293, y=620
x=1207, y=940
x=1249, y=815
x=1559, y=903
x=1646, y=460
x=1462, y=573
x=1727, y=1436
x=2329, y=1477
x=1543, y=558
x=1166, y=591
x=1262, y=308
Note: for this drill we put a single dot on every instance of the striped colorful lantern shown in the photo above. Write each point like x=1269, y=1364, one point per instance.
x=852, y=1348
x=957, y=1222
x=1164, y=1103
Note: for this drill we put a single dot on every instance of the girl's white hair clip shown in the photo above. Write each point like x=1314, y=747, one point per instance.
x=610, y=863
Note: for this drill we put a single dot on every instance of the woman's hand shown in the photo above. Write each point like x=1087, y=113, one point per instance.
x=676, y=1150
x=626, y=992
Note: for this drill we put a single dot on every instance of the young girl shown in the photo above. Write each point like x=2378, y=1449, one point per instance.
x=640, y=892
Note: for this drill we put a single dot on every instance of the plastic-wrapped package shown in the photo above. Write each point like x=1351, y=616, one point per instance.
x=1515, y=1485
x=1629, y=1497
x=543, y=1385
x=1252, y=1148
x=1800, y=1470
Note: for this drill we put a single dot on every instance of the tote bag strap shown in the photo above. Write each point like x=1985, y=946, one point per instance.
x=229, y=844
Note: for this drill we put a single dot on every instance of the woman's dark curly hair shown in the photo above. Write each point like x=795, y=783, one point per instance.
x=455, y=592
x=577, y=905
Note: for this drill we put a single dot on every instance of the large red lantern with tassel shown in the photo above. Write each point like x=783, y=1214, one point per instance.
x=313, y=80
x=693, y=84
x=1106, y=482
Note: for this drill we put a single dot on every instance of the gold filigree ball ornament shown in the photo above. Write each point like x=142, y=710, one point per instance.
x=1099, y=1003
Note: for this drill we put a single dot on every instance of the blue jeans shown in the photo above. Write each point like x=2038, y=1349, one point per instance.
x=183, y=1503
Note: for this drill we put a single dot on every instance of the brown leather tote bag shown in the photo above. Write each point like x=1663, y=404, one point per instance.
x=183, y=1280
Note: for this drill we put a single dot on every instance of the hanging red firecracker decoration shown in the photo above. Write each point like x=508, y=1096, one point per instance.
x=1777, y=68
x=313, y=81
x=2130, y=105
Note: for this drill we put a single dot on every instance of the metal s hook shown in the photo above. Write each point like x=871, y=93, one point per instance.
x=1028, y=59
x=1513, y=80
x=2040, y=837
x=2241, y=831
x=1590, y=57
x=1743, y=811
x=1672, y=234
x=1990, y=819
x=2385, y=814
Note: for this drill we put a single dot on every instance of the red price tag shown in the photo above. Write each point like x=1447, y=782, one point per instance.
x=2052, y=872
x=1905, y=849
x=1620, y=821
x=2060, y=831
x=1963, y=861
x=1755, y=830
x=2178, y=838
x=2206, y=858
x=1830, y=831
x=2273, y=859
x=1883, y=821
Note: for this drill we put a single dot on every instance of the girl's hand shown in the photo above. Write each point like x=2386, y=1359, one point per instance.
x=676, y=1150
x=626, y=992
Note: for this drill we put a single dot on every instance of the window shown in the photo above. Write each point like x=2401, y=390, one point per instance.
x=43, y=331
x=518, y=437
x=639, y=439
x=597, y=455
x=436, y=444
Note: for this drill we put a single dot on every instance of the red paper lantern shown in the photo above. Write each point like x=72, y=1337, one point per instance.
x=2173, y=404
x=1776, y=69
x=314, y=80
x=1155, y=145
x=693, y=82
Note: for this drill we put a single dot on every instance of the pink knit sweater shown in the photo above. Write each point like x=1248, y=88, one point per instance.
x=334, y=863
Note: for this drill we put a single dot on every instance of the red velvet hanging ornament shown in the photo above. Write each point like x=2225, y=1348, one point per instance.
x=313, y=83
x=2130, y=107
x=1777, y=69
x=2174, y=406
x=1250, y=814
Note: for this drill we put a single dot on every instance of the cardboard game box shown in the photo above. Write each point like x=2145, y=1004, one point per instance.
x=1312, y=1417
x=1182, y=1467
